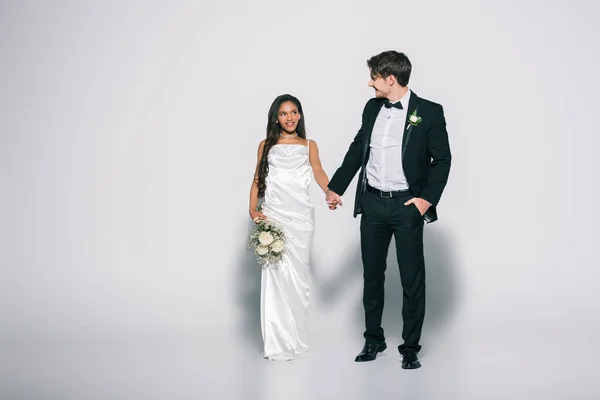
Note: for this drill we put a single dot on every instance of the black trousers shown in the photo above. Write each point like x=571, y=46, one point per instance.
x=381, y=219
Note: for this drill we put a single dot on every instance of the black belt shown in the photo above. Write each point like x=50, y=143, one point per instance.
x=389, y=194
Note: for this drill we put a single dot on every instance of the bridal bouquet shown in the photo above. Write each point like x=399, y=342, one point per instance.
x=268, y=241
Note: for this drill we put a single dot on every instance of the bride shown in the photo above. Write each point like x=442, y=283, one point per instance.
x=287, y=160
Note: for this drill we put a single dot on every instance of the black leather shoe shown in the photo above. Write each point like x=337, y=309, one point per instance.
x=410, y=361
x=369, y=352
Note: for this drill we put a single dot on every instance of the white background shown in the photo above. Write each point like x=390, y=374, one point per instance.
x=128, y=138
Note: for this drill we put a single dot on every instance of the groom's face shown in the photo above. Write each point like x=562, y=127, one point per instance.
x=381, y=85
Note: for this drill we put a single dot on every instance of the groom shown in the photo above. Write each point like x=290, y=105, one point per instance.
x=403, y=155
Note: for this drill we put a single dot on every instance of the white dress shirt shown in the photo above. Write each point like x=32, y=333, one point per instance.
x=384, y=168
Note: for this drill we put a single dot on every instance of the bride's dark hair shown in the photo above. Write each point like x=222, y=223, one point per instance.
x=273, y=131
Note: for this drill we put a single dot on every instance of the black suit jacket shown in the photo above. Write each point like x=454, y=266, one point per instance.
x=425, y=154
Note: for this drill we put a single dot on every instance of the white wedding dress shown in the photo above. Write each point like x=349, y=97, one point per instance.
x=285, y=285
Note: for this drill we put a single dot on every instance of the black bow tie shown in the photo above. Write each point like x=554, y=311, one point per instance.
x=389, y=104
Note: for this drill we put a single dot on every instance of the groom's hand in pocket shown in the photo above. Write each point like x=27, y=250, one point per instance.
x=421, y=204
x=333, y=199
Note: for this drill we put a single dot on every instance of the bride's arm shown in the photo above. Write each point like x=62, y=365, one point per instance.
x=320, y=175
x=254, y=189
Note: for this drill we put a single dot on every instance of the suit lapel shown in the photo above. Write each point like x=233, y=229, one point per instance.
x=413, y=105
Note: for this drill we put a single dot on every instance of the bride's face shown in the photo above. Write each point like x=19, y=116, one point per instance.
x=288, y=116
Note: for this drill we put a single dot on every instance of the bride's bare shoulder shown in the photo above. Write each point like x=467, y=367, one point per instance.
x=261, y=147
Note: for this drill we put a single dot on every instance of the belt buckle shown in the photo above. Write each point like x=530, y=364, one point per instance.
x=381, y=192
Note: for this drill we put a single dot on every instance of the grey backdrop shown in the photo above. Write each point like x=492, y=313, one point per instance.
x=128, y=140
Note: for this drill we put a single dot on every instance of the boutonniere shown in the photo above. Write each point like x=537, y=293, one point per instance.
x=414, y=119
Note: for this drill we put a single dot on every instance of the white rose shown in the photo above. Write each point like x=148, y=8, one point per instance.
x=265, y=238
x=413, y=118
x=261, y=251
x=277, y=246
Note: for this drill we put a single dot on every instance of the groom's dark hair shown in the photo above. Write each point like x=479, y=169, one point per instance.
x=391, y=63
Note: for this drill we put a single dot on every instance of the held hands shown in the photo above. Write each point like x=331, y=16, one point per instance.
x=333, y=199
x=257, y=216
x=421, y=204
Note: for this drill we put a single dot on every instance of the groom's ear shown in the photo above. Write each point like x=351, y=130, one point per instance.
x=391, y=79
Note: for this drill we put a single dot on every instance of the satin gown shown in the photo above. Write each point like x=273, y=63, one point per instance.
x=285, y=285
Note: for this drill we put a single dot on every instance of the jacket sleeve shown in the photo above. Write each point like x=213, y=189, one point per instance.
x=439, y=152
x=353, y=159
